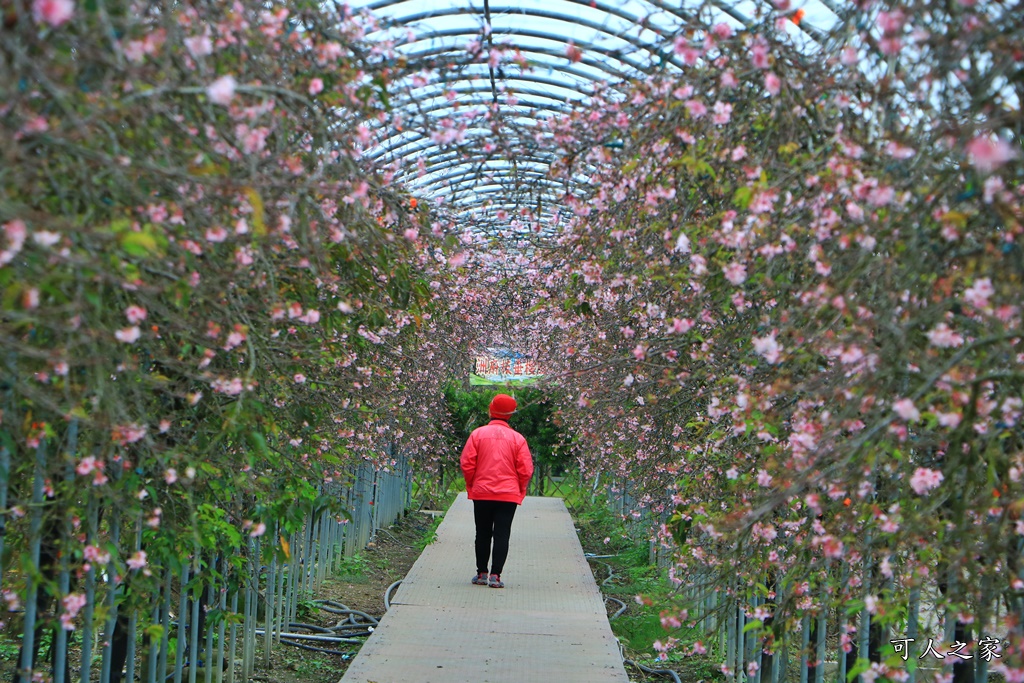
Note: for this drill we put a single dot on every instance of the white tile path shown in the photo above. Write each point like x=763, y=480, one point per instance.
x=548, y=624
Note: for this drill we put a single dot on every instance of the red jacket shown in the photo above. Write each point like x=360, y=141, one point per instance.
x=496, y=463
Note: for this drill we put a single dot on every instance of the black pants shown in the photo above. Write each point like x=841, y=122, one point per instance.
x=493, y=520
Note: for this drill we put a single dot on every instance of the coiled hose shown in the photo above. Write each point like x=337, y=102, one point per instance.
x=348, y=631
x=622, y=608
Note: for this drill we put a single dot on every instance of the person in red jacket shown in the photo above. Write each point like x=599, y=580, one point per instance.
x=497, y=465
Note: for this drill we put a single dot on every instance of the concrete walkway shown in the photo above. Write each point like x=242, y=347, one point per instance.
x=548, y=624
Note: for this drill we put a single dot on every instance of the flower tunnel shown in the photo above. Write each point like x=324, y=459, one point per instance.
x=767, y=255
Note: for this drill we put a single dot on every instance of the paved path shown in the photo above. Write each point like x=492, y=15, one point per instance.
x=548, y=624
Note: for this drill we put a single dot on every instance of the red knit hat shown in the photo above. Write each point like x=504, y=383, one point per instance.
x=502, y=406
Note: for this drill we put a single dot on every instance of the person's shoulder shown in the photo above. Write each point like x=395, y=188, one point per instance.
x=482, y=429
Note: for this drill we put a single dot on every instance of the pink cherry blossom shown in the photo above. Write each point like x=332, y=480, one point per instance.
x=52, y=12
x=137, y=560
x=87, y=465
x=222, y=90
x=906, y=409
x=95, y=554
x=768, y=347
x=199, y=46
x=45, y=238
x=72, y=604
x=735, y=272
x=681, y=325
x=891, y=22
x=696, y=108
x=924, y=480
x=944, y=337
x=722, y=31
x=978, y=293
x=128, y=335
x=135, y=314
x=890, y=46
x=759, y=55
x=772, y=83
x=244, y=256
x=723, y=112
x=316, y=86
x=987, y=153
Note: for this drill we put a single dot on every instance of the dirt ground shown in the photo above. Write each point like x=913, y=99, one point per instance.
x=360, y=586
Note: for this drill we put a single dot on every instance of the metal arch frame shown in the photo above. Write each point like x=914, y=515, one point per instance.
x=613, y=54
x=483, y=188
x=448, y=157
x=462, y=175
x=660, y=5
x=409, y=137
x=460, y=186
x=455, y=165
x=479, y=212
x=557, y=191
x=599, y=5
x=536, y=79
x=453, y=170
x=468, y=87
x=458, y=172
x=435, y=154
x=456, y=179
x=653, y=48
x=585, y=79
x=502, y=205
x=597, y=65
x=441, y=107
x=444, y=158
x=536, y=165
x=547, y=183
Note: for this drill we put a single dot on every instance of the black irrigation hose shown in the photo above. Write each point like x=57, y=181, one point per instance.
x=660, y=672
x=338, y=608
x=387, y=595
x=630, y=662
x=313, y=648
x=357, y=624
x=611, y=574
x=622, y=606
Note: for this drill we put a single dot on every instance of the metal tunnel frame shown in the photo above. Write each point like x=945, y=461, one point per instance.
x=618, y=41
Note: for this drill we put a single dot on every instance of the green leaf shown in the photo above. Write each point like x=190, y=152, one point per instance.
x=140, y=244
x=742, y=197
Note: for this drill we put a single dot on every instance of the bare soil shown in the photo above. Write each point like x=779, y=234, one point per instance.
x=361, y=586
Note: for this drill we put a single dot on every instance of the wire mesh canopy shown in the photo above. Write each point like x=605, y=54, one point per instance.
x=520, y=63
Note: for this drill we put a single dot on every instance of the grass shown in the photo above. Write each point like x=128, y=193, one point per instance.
x=430, y=535
x=603, y=532
x=8, y=649
x=353, y=569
